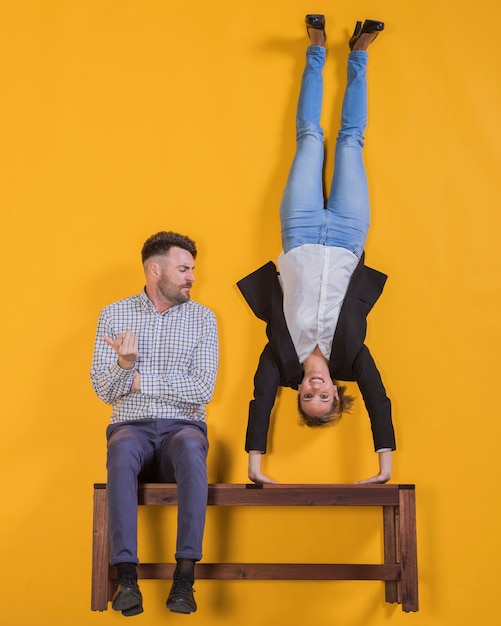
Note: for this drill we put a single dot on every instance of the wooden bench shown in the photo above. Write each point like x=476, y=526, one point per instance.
x=399, y=570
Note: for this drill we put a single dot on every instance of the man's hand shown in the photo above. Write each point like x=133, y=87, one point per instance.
x=384, y=470
x=136, y=382
x=126, y=346
x=255, y=469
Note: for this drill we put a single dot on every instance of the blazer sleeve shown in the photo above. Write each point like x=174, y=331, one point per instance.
x=376, y=401
x=266, y=383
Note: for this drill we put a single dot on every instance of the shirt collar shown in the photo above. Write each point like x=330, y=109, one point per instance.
x=147, y=304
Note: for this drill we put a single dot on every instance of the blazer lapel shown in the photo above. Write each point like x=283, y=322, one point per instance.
x=263, y=293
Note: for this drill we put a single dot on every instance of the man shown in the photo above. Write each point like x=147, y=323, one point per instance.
x=155, y=361
x=316, y=309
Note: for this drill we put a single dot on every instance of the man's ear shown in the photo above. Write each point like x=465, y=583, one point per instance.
x=153, y=269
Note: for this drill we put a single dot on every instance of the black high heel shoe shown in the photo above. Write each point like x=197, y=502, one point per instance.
x=316, y=21
x=372, y=27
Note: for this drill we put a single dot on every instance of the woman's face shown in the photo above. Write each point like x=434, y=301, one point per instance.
x=316, y=394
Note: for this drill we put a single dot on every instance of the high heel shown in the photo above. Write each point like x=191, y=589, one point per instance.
x=316, y=21
x=369, y=27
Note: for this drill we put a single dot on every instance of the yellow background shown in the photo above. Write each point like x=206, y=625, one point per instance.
x=121, y=118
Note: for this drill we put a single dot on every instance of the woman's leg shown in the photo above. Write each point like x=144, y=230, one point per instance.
x=302, y=212
x=348, y=203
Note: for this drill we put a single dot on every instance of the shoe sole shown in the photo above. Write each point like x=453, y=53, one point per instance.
x=179, y=607
x=135, y=610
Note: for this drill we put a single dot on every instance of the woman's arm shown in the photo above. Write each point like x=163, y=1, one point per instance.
x=376, y=401
x=378, y=407
x=266, y=383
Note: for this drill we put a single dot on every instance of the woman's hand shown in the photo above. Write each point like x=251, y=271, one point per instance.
x=384, y=475
x=254, y=471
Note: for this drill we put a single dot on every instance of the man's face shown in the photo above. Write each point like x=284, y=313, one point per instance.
x=316, y=394
x=176, y=275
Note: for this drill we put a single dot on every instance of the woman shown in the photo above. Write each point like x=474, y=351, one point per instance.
x=316, y=330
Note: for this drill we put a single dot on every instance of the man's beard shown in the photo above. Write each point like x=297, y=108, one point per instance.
x=174, y=295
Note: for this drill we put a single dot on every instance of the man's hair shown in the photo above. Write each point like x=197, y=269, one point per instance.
x=332, y=417
x=162, y=242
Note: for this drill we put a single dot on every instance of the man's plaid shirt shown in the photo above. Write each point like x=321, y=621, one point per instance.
x=178, y=358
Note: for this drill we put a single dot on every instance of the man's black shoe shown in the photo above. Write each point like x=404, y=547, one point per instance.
x=127, y=595
x=181, y=598
x=135, y=610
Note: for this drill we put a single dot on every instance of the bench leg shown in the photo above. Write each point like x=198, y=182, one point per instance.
x=391, y=550
x=408, y=550
x=100, y=552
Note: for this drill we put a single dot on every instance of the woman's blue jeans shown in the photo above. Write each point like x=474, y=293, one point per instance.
x=305, y=216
